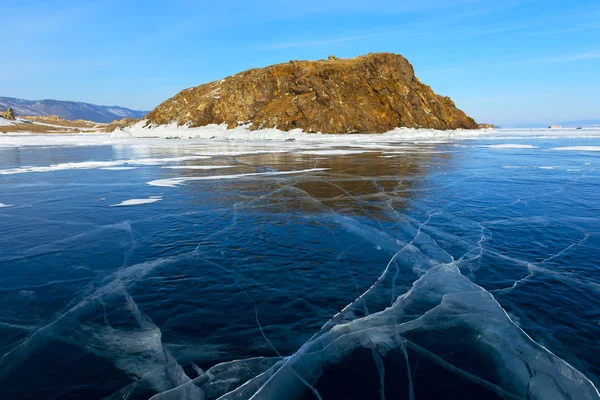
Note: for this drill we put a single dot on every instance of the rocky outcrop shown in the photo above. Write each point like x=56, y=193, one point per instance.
x=486, y=126
x=368, y=94
x=120, y=123
x=9, y=114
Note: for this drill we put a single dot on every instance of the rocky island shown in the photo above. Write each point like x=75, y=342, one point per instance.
x=373, y=93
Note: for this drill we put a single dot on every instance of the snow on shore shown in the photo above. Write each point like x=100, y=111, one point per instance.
x=220, y=132
x=5, y=122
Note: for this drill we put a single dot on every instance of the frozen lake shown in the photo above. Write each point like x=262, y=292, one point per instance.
x=429, y=266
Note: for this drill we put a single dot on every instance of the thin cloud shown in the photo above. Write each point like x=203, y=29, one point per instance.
x=589, y=55
x=569, y=30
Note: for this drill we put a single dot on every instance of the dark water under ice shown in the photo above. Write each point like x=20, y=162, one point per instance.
x=412, y=271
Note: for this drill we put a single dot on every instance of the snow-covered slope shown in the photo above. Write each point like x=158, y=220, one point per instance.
x=69, y=110
x=5, y=122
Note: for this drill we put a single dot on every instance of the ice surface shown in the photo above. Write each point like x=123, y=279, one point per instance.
x=441, y=301
x=134, y=345
x=443, y=317
x=172, y=182
x=389, y=316
x=332, y=152
x=136, y=202
x=199, y=167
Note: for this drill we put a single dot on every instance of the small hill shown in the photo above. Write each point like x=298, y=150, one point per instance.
x=55, y=120
x=120, y=123
x=68, y=110
x=367, y=94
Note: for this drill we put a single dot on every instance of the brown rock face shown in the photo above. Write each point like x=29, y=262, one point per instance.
x=9, y=114
x=120, y=123
x=368, y=94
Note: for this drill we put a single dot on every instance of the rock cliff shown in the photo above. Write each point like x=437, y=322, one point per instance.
x=9, y=114
x=367, y=94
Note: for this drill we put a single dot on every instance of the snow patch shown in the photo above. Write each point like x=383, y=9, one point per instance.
x=173, y=182
x=577, y=148
x=137, y=202
x=5, y=122
x=99, y=164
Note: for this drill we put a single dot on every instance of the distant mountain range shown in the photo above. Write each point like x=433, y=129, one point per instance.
x=69, y=110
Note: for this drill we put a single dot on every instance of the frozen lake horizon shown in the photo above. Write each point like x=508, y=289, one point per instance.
x=413, y=264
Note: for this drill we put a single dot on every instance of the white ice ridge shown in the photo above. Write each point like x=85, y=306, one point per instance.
x=442, y=301
x=136, y=202
x=172, y=182
x=5, y=205
x=577, y=148
x=100, y=164
x=199, y=167
x=220, y=132
x=280, y=141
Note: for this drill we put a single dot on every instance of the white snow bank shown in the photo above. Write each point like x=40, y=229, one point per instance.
x=61, y=167
x=173, y=182
x=577, y=148
x=241, y=141
x=220, y=132
x=5, y=122
x=136, y=202
x=511, y=146
x=99, y=164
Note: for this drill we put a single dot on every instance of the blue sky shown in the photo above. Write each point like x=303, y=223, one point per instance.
x=506, y=62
